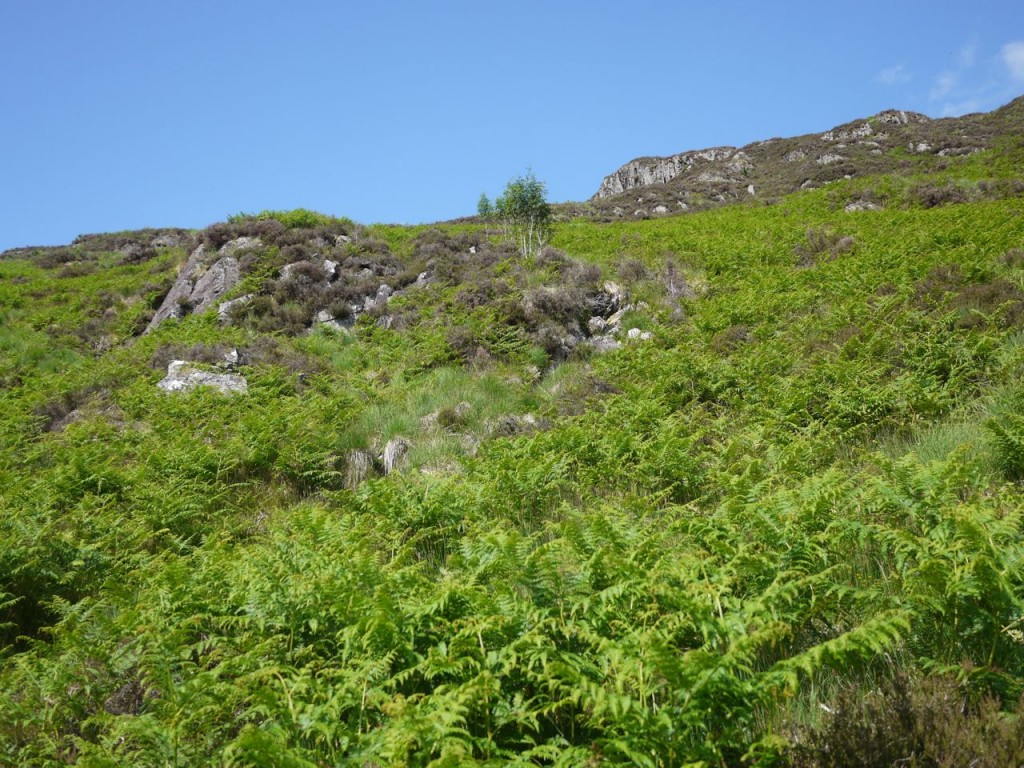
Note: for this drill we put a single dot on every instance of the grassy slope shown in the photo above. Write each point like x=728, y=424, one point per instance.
x=808, y=482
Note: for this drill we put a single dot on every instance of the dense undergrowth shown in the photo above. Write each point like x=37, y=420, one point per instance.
x=748, y=540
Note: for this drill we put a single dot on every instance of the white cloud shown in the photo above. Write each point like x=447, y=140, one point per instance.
x=897, y=75
x=1013, y=58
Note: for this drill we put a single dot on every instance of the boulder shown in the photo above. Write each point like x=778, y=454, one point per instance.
x=182, y=376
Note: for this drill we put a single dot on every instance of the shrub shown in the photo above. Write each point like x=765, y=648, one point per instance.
x=726, y=341
x=821, y=242
x=930, y=195
x=932, y=721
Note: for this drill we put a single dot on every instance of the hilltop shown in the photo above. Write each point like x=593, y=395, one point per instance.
x=735, y=487
x=893, y=141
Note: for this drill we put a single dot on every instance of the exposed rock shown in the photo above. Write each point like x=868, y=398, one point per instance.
x=240, y=244
x=203, y=280
x=232, y=358
x=167, y=241
x=384, y=292
x=604, y=343
x=131, y=251
x=340, y=240
x=846, y=133
x=636, y=333
x=224, y=309
x=423, y=278
x=829, y=158
x=357, y=467
x=512, y=424
x=330, y=269
x=751, y=190
x=900, y=117
x=606, y=301
x=214, y=283
x=596, y=325
x=658, y=170
x=861, y=205
x=618, y=211
x=660, y=209
x=795, y=156
x=183, y=376
x=447, y=417
x=394, y=451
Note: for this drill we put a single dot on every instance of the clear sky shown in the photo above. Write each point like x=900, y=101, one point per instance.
x=120, y=115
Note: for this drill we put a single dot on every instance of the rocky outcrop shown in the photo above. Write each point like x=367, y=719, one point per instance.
x=202, y=281
x=657, y=170
x=183, y=376
x=705, y=178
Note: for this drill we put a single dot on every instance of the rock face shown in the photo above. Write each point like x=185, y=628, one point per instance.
x=182, y=376
x=657, y=170
x=202, y=281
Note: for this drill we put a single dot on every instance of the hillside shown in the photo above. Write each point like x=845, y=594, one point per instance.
x=740, y=487
x=893, y=141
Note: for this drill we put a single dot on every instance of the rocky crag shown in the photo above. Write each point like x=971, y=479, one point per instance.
x=891, y=141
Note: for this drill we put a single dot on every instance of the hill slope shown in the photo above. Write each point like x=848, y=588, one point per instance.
x=891, y=141
x=727, y=488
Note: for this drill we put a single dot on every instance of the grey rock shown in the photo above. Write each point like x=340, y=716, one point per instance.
x=636, y=333
x=203, y=280
x=224, y=308
x=357, y=467
x=861, y=205
x=660, y=209
x=167, y=241
x=183, y=376
x=340, y=240
x=214, y=283
x=394, y=452
x=751, y=190
x=604, y=343
x=240, y=244
x=232, y=358
x=423, y=278
x=330, y=269
x=618, y=211
x=454, y=416
x=658, y=170
x=596, y=325
x=512, y=424
x=829, y=158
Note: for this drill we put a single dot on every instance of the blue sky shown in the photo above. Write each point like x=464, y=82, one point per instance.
x=119, y=115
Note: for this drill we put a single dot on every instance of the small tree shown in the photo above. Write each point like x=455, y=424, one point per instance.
x=525, y=214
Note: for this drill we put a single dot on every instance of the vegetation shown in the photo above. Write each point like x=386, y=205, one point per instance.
x=783, y=530
x=524, y=213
